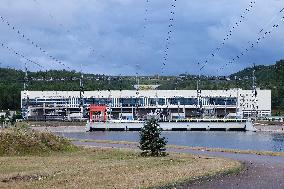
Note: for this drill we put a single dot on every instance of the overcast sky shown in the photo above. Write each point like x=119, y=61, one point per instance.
x=119, y=36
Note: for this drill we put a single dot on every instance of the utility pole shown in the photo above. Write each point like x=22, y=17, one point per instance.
x=198, y=95
x=26, y=78
x=254, y=93
x=137, y=77
x=253, y=79
x=137, y=92
x=82, y=108
x=25, y=105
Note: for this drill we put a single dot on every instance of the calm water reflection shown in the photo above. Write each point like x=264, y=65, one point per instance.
x=234, y=140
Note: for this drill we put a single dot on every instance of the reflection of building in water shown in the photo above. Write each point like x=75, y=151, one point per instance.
x=133, y=104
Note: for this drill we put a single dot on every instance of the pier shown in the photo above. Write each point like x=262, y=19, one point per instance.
x=182, y=125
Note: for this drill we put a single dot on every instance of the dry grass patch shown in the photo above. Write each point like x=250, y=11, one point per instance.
x=263, y=153
x=106, y=168
x=25, y=141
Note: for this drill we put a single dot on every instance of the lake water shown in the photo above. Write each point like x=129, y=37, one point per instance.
x=234, y=140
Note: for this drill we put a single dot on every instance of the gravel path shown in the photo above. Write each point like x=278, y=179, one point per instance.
x=261, y=172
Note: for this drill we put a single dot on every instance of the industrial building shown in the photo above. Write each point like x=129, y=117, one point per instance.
x=137, y=104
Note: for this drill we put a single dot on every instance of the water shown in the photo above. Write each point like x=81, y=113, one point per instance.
x=234, y=140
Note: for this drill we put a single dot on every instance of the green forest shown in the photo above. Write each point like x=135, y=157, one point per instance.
x=12, y=82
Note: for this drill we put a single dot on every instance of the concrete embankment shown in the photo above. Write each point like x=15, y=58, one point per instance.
x=269, y=127
x=61, y=129
x=55, y=123
x=61, y=126
x=66, y=129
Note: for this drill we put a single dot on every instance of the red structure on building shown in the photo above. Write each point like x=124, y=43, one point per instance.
x=98, y=113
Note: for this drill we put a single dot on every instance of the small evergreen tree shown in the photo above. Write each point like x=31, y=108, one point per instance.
x=151, y=142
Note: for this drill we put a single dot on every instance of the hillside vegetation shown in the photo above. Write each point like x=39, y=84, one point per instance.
x=11, y=82
x=24, y=141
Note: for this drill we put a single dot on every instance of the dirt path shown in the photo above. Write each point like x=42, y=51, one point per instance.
x=261, y=171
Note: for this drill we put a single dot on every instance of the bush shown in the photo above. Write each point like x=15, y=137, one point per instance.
x=151, y=142
x=21, y=141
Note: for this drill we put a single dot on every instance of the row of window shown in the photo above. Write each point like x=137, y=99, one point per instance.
x=129, y=102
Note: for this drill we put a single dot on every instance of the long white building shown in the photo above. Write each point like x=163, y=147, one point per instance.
x=171, y=104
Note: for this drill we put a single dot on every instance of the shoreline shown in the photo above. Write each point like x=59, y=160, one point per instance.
x=175, y=147
x=75, y=129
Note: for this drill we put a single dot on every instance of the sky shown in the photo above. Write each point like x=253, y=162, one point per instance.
x=141, y=37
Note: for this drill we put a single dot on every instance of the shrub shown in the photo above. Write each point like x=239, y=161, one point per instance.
x=19, y=141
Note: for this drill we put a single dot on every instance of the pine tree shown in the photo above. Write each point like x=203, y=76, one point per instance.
x=151, y=142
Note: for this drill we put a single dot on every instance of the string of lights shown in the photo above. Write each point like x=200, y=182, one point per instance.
x=228, y=35
x=76, y=38
x=33, y=43
x=257, y=41
x=169, y=34
x=11, y=50
x=142, y=42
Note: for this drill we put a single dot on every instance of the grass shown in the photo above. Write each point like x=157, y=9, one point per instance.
x=30, y=159
x=107, y=168
x=24, y=141
x=209, y=176
x=267, y=153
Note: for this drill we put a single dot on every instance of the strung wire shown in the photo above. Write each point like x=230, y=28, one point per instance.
x=229, y=35
x=146, y=17
x=252, y=45
x=4, y=65
x=33, y=43
x=271, y=20
x=169, y=35
x=82, y=43
x=146, y=23
x=11, y=50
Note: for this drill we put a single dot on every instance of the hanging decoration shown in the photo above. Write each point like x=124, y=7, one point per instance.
x=263, y=34
x=14, y=52
x=229, y=35
x=82, y=43
x=142, y=40
x=33, y=43
x=169, y=37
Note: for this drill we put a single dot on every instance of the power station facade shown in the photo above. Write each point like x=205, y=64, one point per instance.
x=138, y=104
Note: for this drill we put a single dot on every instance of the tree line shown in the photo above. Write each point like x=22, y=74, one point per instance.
x=11, y=83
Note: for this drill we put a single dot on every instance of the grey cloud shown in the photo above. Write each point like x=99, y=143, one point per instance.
x=114, y=30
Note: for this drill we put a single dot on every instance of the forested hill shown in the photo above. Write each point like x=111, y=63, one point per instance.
x=269, y=77
x=11, y=82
